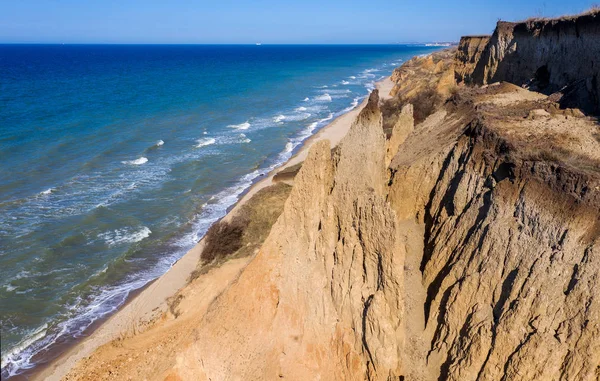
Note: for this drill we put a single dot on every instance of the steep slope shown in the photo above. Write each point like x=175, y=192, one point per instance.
x=511, y=235
x=323, y=298
x=468, y=54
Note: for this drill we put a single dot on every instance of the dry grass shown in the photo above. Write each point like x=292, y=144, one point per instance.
x=425, y=103
x=287, y=174
x=245, y=232
x=223, y=238
x=593, y=10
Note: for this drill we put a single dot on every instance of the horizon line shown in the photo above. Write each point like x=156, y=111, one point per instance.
x=258, y=43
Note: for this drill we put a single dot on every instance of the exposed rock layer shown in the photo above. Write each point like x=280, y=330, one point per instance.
x=470, y=49
x=548, y=55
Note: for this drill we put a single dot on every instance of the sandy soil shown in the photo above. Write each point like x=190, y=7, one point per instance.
x=147, y=309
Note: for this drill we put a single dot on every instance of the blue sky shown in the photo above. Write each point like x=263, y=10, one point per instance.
x=268, y=21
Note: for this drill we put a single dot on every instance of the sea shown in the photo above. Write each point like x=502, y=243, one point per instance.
x=116, y=159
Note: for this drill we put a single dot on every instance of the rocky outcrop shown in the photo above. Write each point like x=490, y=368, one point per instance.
x=547, y=55
x=506, y=239
x=323, y=298
x=425, y=82
x=470, y=49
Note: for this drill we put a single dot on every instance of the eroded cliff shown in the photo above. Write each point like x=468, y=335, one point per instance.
x=470, y=49
x=547, y=55
x=459, y=240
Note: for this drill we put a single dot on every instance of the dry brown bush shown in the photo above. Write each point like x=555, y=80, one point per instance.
x=246, y=231
x=223, y=238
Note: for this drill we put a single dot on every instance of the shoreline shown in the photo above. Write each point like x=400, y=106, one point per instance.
x=147, y=304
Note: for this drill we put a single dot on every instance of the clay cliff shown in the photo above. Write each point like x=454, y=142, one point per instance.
x=449, y=236
x=547, y=55
x=470, y=49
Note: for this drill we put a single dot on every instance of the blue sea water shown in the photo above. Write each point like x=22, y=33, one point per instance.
x=115, y=159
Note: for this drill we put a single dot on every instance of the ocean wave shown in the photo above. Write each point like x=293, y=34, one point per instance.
x=352, y=105
x=125, y=235
x=352, y=77
x=159, y=143
x=279, y=118
x=345, y=83
x=244, y=139
x=298, y=109
x=298, y=117
x=79, y=317
x=328, y=117
x=140, y=161
x=323, y=98
x=12, y=356
x=306, y=99
x=241, y=126
x=47, y=191
x=204, y=142
x=337, y=94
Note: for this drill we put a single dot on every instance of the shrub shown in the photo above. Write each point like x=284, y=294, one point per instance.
x=425, y=104
x=223, y=238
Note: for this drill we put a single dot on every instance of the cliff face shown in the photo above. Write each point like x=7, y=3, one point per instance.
x=324, y=297
x=547, y=55
x=473, y=255
x=470, y=49
x=509, y=232
x=460, y=245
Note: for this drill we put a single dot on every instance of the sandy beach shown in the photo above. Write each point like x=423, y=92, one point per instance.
x=152, y=302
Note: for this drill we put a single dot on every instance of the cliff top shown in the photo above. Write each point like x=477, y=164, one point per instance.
x=592, y=12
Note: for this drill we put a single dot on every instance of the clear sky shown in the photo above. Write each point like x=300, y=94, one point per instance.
x=268, y=21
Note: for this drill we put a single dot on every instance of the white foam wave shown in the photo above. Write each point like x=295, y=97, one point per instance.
x=345, y=83
x=125, y=235
x=47, y=191
x=298, y=109
x=298, y=117
x=338, y=92
x=352, y=105
x=204, y=142
x=244, y=139
x=306, y=99
x=289, y=147
x=323, y=98
x=159, y=143
x=241, y=126
x=12, y=355
x=352, y=77
x=140, y=161
x=279, y=118
x=328, y=117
